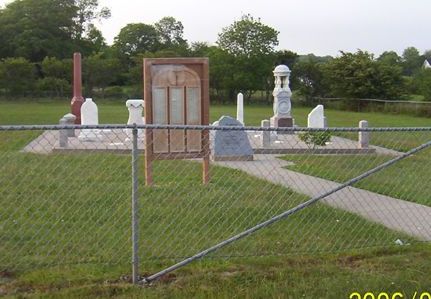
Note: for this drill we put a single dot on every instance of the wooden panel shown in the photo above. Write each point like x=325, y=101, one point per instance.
x=160, y=117
x=190, y=75
x=176, y=116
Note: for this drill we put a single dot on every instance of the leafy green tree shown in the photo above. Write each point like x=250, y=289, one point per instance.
x=170, y=33
x=390, y=58
x=35, y=29
x=57, y=76
x=286, y=57
x=99, y=72
x=136, y=38
x=427, y=54
x=358, y=75
x=248, y=45
x=17, y=76
x=422, y=82
x=412, y=61
x=86, y=12
x=55, y=28
x=248, y=37
x=56, y=68
x=309, y=78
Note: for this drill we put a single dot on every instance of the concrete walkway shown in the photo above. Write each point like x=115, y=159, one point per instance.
x=407, y=217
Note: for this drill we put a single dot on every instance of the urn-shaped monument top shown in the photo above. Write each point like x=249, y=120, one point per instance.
x=282, y=92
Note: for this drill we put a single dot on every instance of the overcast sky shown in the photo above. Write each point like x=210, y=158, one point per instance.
x=322, y=27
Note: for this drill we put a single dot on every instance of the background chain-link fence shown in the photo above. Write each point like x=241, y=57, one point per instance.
x=68, y=200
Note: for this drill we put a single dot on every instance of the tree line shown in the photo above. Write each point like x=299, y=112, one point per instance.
x=38, y=38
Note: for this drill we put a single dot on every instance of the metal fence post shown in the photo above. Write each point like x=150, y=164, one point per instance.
x=135, y=250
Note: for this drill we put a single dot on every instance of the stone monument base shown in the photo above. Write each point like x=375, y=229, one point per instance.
x=281, y=122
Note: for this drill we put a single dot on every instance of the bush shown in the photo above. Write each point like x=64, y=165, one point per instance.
x=51, y=85
x=313, y=139
x=114, y=92
x=17, y=75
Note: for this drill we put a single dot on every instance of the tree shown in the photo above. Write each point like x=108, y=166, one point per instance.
x=57, y=76
x=17, y=76
x=249, y=46
x=35, y=29
x=358, y=75
x=286, y=57
x=248, y=37
x=100, y=72
x=136, y=38
x=390, y=58
x=412, y=61
x=170, y=33
x=427, y=54
x=422, y=81
x=55, y=28
x=88, y=11
x=309, y=78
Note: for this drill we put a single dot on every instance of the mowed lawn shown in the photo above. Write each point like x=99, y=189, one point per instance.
x=49, y=112
x=407, y=179
x=65, y=227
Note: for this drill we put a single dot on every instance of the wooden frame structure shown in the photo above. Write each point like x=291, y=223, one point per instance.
x=176, y=92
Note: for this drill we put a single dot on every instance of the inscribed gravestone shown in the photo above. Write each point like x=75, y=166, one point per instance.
x=231, y=145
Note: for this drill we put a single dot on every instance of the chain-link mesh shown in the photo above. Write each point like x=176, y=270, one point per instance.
x=67, y=200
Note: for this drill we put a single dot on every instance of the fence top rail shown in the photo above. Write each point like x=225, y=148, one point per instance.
x=211, y=127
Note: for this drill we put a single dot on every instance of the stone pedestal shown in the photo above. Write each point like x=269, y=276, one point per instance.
x=266, y=135
x=62, y=133
x=70, y=121
x=282, y=122
x=364, y=137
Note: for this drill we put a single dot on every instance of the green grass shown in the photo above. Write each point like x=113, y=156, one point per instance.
x=65, y=225
x=407, y=179
x=49, y=112
x=403, y=270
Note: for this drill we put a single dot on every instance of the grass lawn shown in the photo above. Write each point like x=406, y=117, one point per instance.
x=49, y=112
x=65, y=227
x=407, y=180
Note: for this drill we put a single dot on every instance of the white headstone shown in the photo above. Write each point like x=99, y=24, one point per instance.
x=89, y=116
x=135, y=107
x=316, y=118
x=240, y=108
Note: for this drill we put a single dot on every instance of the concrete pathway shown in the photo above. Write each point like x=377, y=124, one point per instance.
x=407, y=217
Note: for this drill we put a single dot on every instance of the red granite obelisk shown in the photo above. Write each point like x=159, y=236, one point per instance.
x=77, y=99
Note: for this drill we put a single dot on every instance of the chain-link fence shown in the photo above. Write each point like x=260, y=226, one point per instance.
x=90, y=195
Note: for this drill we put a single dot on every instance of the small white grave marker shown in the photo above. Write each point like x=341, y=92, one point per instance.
x=89, y=116
x=240, y=108
x=316, y=118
